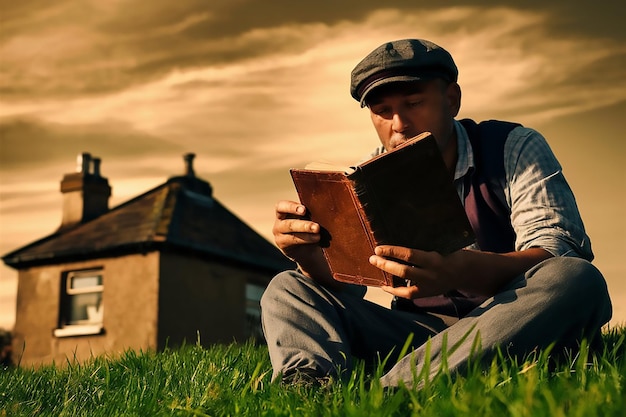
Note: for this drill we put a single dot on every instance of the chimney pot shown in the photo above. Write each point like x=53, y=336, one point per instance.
x=96, y=167
x=188, y=157
x=82, y=162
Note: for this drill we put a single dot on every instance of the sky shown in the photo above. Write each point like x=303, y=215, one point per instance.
x=254, y=88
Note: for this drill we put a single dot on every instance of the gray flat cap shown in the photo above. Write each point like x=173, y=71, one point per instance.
x=401, y=60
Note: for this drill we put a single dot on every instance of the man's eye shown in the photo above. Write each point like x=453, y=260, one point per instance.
x=415, y=103
x=382, y=111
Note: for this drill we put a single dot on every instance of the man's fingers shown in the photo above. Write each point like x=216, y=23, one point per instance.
x=290, y=226
x=403, y=292
x=286, y=240
x=396, y=252
x=413, y=257
x=288, y=209
x=396, y=268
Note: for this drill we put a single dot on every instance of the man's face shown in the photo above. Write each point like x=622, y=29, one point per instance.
x=402, y=110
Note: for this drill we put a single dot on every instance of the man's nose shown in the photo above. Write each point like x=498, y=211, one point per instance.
x=400, y=122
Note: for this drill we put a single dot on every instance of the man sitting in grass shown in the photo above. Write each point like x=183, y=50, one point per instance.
x=527, y=283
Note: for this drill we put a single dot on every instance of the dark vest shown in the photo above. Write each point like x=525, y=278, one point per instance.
x=486, y=209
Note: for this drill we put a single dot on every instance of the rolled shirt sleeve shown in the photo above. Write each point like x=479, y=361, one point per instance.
x=544, y=212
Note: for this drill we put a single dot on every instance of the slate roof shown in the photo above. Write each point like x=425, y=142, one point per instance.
x=180, y=214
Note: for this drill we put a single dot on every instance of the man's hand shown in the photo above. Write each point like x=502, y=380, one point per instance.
x=428, y=271
x=473, y=271
x=298, y=238
x=293, y=232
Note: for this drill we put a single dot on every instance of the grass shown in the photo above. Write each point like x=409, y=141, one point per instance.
x=234, y=380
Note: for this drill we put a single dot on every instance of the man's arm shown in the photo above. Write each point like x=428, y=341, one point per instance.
x=544, y=216
x=544, y=212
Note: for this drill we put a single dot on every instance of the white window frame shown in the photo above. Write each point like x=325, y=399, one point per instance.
x=88, y=327
x=254, y=292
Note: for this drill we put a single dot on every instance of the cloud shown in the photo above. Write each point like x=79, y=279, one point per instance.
x=513, y=68
x=285, y=108
x=69, y=49
x=29, y=143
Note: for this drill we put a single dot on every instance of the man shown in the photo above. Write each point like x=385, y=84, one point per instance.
x=526, y=284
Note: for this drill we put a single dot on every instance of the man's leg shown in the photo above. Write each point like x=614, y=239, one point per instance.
x=313, y=330
x=560, y=300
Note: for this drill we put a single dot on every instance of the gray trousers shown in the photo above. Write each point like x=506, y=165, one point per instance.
x=314, y=330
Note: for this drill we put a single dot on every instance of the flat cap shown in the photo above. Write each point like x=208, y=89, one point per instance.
x=401, y=60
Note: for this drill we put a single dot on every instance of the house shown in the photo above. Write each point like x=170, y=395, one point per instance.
x=168, y=266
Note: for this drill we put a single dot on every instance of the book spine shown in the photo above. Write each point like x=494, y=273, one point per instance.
x=370, y=210
x=364, y=206
x=360, y=202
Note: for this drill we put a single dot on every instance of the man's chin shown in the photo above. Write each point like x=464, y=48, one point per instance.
x=397, y=141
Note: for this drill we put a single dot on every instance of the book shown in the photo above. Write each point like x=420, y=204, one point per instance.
x=404, y=197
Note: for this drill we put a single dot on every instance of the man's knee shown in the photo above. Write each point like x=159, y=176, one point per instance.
x=574, y=279
x=276, y=287
x=284, y=285
x=576, y=273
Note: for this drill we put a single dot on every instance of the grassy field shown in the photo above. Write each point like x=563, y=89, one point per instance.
x=234, y=380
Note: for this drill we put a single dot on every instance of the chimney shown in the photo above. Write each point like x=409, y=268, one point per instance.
x=85, y=193
x=190, y=181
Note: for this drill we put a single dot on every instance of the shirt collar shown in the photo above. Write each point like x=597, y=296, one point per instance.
x=465, y=155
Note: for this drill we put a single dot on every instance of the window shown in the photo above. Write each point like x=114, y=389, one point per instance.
x=81, y=309
x=253, y=311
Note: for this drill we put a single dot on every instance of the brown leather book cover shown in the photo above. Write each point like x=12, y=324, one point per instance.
x=404, y=197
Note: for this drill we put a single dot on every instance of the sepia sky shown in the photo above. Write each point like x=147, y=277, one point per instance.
x=256, y=87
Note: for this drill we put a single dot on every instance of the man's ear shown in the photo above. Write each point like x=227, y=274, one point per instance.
x=453, y=94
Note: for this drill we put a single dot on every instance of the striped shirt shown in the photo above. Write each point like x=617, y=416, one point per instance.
x=543, y=209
